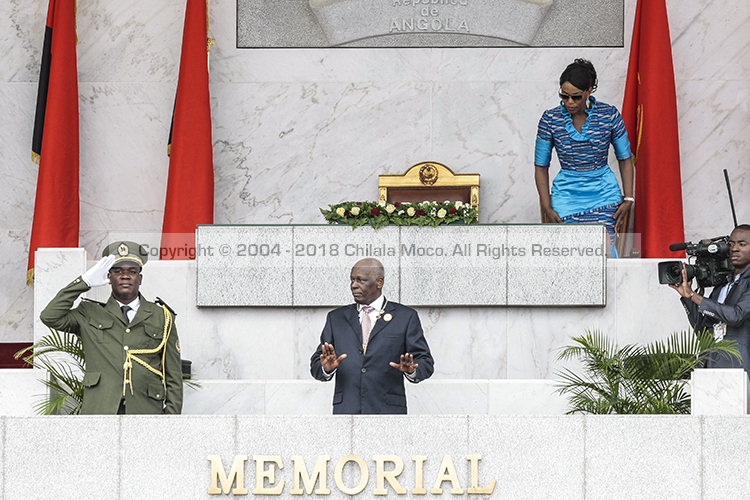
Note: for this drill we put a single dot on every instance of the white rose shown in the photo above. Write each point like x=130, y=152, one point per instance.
x=459, y=204
x=340, y=211
x=410, y=211
x=355, y=210
x=401, y=212
x=381, y=203
x=441, y=213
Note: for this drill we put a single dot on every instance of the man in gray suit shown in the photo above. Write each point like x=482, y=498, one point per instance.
x=370, y=347
x=726, y=311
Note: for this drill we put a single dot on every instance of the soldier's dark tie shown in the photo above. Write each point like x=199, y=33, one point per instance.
x=125, y=310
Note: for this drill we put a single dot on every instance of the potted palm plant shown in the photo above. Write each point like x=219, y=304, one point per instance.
x=636, y=379
x=61, y=355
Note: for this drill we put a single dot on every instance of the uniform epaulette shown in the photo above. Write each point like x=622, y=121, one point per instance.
x=160, y=302
x=94, y=301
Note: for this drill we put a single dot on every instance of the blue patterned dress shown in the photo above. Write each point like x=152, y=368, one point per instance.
x=585, y=189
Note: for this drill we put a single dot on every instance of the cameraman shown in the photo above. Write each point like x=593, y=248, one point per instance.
x=727, y=310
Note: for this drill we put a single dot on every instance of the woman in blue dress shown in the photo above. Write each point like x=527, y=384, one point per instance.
x=580, y=130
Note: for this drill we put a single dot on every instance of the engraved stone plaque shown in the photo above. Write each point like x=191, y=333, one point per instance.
x=345, y=21
x=429, y=23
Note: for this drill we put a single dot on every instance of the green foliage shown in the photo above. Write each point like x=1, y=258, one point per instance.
x=636, y=379
x=380, y=214
x=61, y=354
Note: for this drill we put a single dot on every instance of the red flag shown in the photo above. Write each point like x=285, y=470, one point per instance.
x=55, y=139
x=190, y=189
x=650, y=114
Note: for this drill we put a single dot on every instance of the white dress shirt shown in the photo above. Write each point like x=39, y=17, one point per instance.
x=133, y=307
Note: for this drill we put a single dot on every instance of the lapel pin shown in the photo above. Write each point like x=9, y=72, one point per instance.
x=388, y=317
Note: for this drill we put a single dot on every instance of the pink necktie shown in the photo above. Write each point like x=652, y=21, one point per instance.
x=366, y=324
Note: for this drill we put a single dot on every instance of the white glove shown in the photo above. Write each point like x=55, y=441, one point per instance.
x=97, y=275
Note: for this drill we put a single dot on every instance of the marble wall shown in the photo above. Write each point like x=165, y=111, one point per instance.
x=298, y=129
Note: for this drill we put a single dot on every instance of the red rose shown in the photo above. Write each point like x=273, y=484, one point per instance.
x=452, y=211
x=375, y=212
x=359, y=203
x=397, y=204
x=346, y=215
x=420, y=212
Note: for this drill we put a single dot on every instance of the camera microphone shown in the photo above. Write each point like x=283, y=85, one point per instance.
x=676, y=247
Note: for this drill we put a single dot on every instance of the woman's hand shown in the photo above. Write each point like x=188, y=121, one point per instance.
x=621, y=216
x=551, y=215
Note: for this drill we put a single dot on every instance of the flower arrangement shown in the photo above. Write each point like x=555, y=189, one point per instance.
x=380, y=214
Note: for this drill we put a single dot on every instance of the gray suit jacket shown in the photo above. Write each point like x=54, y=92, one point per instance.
x=735, y=312
x=365, y=381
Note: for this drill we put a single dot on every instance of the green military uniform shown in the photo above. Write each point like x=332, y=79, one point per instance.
x=117, y=352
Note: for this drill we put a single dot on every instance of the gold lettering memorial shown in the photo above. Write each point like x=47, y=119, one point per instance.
x=387, y=468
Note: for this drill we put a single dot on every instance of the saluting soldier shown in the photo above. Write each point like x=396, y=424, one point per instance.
x=132, y=350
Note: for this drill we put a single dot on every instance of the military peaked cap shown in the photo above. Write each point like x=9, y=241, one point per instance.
x=126, y=251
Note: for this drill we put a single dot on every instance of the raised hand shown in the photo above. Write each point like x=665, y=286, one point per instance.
x=407, y=364
x=328, y=358
x=97, y=275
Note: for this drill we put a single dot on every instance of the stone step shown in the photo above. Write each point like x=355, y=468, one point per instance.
x=432, y=397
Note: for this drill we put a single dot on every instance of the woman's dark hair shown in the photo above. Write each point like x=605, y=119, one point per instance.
x=581, y=74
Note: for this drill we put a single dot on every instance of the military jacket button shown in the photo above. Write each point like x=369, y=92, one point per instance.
x=364, y=370
x=127, y=330
x=125, y=347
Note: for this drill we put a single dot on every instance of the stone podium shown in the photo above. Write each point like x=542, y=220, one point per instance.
x=255, y=359
x=457, y=265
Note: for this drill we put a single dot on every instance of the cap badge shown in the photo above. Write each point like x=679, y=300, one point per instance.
x=123, y=250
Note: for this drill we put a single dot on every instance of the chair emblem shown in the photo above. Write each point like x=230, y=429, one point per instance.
x=428, y=175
